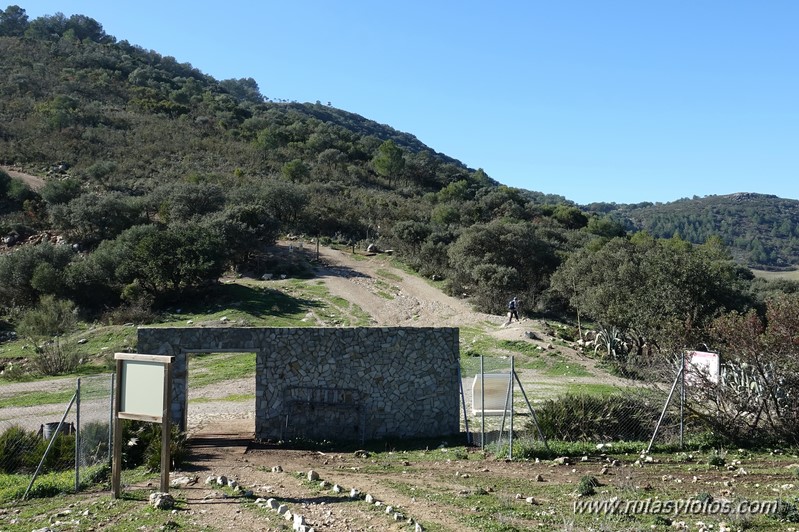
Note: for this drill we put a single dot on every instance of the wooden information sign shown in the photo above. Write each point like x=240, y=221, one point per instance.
x=142, y=393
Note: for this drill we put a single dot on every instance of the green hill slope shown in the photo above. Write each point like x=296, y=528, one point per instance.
x=762, y=231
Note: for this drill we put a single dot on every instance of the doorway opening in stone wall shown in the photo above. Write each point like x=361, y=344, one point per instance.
x=221, y=395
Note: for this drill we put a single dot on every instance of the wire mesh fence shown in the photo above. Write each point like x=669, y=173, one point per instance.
x=533, y=410
x=55, y=425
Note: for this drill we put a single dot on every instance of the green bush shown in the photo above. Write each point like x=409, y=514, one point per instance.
x=178, y=452
x=94, y=443
x=142, y=446
x=22, y=450
x=598, y=418
x=44, y=326
x=17, y=449
x=587, y=486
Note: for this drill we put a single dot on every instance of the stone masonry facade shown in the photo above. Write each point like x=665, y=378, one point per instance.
x=334, y=384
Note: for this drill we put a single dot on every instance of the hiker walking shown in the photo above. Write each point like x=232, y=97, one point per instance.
x=513, y=310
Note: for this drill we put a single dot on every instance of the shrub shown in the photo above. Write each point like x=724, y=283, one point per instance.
x=587, y=486
x=94, y=443
x=56, y=357
x=598, y=418
x=754, y=401
x=139, y=310
x=22, y=450
x=60, y=191
x=717, y=460
x=44, y=325
x=16, y=449
x=51, y=317
x=178, y=452
x=17, y=271
x=143, y=445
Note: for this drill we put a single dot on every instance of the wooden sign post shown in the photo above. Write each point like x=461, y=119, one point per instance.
x=143, y=393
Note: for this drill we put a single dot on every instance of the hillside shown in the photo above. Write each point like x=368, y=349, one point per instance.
x=143, y=181
x=761, y=231
x=79, y=104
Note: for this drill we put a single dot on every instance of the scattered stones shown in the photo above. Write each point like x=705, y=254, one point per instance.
x=182, y=482
x=562, y=460
x=539, y=478
x=277, y=469
x=313, y=475
x=162, y=501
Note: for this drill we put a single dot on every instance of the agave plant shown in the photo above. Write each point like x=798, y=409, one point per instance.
x=612, y=341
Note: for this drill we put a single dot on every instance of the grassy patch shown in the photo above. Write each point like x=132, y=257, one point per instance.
x=385, y=290
x=211, y=368
x=233, y=398
x=789, y=275
x=36, y=398
x=12, y=487
x=519, y=346
x=591, y=389
x=564, y=368
x=391, y=276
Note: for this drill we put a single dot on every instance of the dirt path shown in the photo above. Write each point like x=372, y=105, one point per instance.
x=32, y=181
x=392, y=297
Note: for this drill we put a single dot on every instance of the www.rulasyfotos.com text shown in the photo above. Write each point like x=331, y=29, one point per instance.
x=690, y=506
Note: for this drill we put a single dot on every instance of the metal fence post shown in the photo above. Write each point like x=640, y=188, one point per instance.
x=682, y=399
x=49, y=445
x=111, y=419
x=482, y=406
x=510, y=433
x=77, y=436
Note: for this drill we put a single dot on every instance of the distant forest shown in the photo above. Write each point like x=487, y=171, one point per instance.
x=762, y=231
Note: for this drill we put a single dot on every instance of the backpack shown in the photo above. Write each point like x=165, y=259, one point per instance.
x=511, y=305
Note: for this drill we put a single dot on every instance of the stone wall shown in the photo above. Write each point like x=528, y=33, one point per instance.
x=331, y=383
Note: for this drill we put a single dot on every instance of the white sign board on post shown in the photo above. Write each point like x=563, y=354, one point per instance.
x=494, y=392
x=143, y=391
x=702, y=366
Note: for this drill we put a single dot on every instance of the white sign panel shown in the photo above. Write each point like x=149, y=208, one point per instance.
x=142, y=384
x=495, y=393
x=701, y=366
x=143, y=391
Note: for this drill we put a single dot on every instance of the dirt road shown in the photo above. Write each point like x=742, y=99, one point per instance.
x=32, y=181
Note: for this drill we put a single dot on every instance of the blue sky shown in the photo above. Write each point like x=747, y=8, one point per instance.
x=613, y=100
